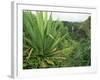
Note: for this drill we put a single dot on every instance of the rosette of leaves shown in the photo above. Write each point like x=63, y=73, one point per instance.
x=42, y=39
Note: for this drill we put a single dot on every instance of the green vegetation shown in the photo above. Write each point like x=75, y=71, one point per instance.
x=51, y=44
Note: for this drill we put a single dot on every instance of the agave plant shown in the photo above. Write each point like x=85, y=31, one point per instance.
x=42, y=39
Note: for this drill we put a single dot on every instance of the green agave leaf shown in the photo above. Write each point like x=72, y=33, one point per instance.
x=51, y=36
x=33, y=31
x=28, y=41
x=25, y=46
x=49, y=25
x=56, y=42
x=39, y=17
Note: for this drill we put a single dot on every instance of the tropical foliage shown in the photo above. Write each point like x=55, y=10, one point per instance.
x=49, y=43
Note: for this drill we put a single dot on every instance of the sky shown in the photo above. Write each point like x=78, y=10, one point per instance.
x=72, y=17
